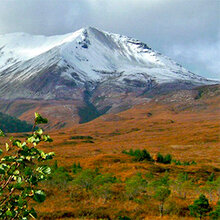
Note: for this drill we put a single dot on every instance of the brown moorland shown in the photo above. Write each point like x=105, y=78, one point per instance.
x=185, y=124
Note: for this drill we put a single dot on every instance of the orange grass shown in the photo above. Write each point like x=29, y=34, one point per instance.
x=189, y=134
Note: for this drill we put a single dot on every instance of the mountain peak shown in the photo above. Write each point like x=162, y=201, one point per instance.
x=87, y=58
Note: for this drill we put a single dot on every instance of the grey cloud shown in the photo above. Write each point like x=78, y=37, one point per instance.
x=188, y=26
x=197, y=56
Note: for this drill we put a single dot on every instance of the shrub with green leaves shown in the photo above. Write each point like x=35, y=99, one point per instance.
x=22, y=167
x=135, y=185
x=103, y=191
x=99, y=184
x=211, y=186
x=184, y=163
x=161, y=190
x=164, y=159
x=59, y=177
x=200, y=207
x=85, y=179
x=139, y=155
x=163, y=181
x=76, y=168
x=183, y=184
x=161, y=194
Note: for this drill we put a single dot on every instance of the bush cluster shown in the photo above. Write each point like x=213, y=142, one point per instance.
x=139, y=155
x=167, y=159
x=144, y=155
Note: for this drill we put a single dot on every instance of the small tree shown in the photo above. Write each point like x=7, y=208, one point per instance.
x=200, y=207
x=21, y=169
x=159, y=158
x=183, y=184
x=85, y=179
x=135, y=185
x=161, y=191
x=161, y=194
x=211, y=186
x=167, y=159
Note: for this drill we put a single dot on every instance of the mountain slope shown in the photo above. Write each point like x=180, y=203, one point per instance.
x=12, y=124
x=61, y=66
x=82, y=75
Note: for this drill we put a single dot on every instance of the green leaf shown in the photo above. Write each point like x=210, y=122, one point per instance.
x=7, y=147
x=2, y=133
x=16, y=143
x=9, y=213
x=44, y=169
x=1, y=151
x=39, y=119
x=50, y=155
x=39, y=196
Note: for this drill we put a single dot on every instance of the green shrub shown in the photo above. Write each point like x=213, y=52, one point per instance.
x=76, y=168
x=131, y=152
x=167, y=159
x=163, y=181
x=149, y=176
x=161, y=194
x=185, y=163
x=59, y=178
x=135, y=185
x=88, y=141
x=101, y=179
x=123, y=218
x=211, y=177
x=159, y=158
x=183, y=184
x=139, y=155
x=88, y=179
x=200, y=207
x=85, y=179
x=164, y=159
x=103, y=191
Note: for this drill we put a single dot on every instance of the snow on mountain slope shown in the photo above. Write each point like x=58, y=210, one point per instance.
x=58, y=66
x=22, y=46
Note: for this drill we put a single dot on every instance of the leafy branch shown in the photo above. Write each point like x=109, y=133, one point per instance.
x=22, y=168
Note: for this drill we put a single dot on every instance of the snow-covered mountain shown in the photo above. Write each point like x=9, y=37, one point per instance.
x=64, y=66
x=79, y=76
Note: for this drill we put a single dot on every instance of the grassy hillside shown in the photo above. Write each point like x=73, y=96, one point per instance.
x=11, y=124
x=119, y=166
x=102, y=171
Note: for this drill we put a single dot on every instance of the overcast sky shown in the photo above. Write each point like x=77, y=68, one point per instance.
x=186, y=30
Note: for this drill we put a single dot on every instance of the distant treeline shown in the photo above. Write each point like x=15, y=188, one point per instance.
x=11, y=124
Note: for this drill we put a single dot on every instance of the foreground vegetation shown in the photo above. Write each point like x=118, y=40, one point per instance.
x=181, y=195
x=22, y=168
x=92, y=179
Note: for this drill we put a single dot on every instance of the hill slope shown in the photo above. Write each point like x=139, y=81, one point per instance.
x=12, y=124
x=184, y=124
